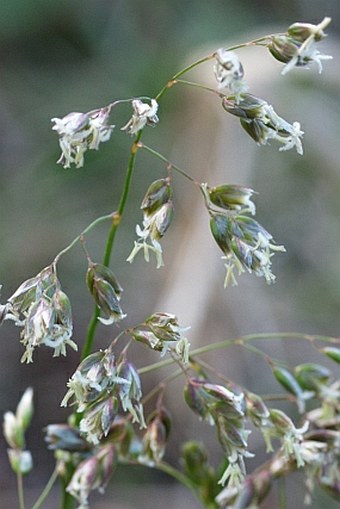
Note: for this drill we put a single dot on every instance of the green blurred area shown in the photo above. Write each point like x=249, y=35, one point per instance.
x=64, y=56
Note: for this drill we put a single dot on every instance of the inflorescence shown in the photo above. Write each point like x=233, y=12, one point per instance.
x=106, y=388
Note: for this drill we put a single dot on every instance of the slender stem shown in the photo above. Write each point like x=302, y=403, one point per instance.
x=20, y=488
x=170, y=470
x=111, y=237
x=256, y=350
x=261, y=41
x=155, y=366
x=183, y=479
x=90, y=333
x=110, y=106
x=110, y=240
x=67, y=500
x=44, y=494
x=123, y=200
x=265, y=336
x=250, y=337
x=202, y=87
x=112, y=233
x=173, y=166
x=79, y=237
x=282, y=493
x=161, y=384
x=179, y=476
x=172, y=81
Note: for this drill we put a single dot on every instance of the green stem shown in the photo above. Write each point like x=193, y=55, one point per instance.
x=202, y=87
x=261, y=41
x=160, y=385
x=67, y=501
x=257, y=351
x=112, y=233
x=44, y=494
x=110, y=240
x=155, y=366
x=79, y=237
x=172, y=81
x=250, y=337
x=123, y=200
x=111, y=237
x=183, y=479
x=282, y=493
x=265, y=336
x=20, y=488
x=90, y=333
x=176, y=474
x=164, y=159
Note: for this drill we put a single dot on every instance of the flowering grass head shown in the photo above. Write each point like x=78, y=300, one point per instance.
x=297, y=47
x=156, y=436
x=229, y=72
x=158, y=212
x=91, y=474
x=143, y=114
x=14, y=428
x=162, y=332
x=79, y=132
x=98, y=386
x=106, y=291
x=262, y=123
x=247, y=245
x=107, y=426
x=43, y=310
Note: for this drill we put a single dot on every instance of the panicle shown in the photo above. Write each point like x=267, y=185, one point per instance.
x=97, y=387
x=44, y=312
x=225, y=410
x=246, y=245
x=91, y=474
x=230, y=197
x=262, y=123
x=162, y=332
x=256, y=409
x=130, y=392
x=229, y=72
x=156, y=437
x=143, y=114
x=158, y=211
x=106, y=291
x=21, y=461
x=296, y=48
x=79, y=132
x=14, y=427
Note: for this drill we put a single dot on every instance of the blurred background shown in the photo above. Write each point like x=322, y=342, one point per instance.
x=58, y=57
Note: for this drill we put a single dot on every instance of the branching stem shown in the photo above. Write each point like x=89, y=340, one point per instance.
x=172, y=81
x=200, y=86
x=169, y=163
x=176, y=474
x=250, y=337
x=81, y=235
x=111, y=238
